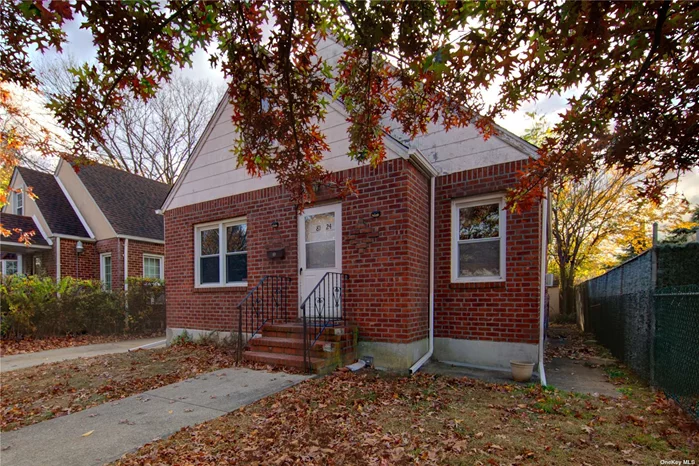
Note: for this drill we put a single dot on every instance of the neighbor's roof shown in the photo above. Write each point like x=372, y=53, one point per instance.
x=128, y=201
x=53, y=204
x=24, y=224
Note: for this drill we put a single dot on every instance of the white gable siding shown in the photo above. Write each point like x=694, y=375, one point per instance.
x=465, y=149
x=212, y=173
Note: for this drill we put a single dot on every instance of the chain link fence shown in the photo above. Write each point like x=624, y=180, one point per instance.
x=646, y=312
x=676, y=355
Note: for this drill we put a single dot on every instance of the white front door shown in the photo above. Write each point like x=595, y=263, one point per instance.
x=320, y=246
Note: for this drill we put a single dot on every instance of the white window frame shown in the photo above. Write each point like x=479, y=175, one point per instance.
x=3, y=265
x=472, y=202
x=222, y=246
x=19, y=199
x=158, y=257
x=103, y=271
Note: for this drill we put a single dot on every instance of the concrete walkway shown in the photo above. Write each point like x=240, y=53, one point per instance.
x=123, y=426
x=20, y=361
x=585, y=374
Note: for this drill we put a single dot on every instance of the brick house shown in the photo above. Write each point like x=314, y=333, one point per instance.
x=423, y=261
x=96, y=222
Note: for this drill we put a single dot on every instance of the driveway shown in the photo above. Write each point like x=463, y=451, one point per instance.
x=20, y=361
x=104, y=433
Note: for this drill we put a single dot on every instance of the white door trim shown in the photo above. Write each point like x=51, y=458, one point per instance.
x=301, y=243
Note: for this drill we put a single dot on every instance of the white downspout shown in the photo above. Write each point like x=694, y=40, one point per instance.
x=57, y=248
x=126, y=264
x=542, y=310
x=415, y=367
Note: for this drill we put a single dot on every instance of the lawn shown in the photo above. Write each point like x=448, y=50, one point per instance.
x=35, y=394
x=374, y=418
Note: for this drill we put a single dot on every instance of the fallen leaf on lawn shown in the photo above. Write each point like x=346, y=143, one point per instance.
x=87, y=434
x=479, y=435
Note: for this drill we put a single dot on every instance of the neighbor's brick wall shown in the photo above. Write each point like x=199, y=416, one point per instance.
x=136, y=251
x=508, y=311
x=386, y=257
x=116, y=247
x=84, y=266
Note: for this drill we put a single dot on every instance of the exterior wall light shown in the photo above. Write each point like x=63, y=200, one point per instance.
x=376, y=214
x=275, y=224
x=79, y=247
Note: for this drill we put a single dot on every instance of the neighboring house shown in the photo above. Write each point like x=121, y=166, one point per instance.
x=96, y=222
x=226, y=230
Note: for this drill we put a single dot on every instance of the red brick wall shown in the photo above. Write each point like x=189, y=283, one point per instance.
x=508, y=311
x=136, y=251
x=386, y=257
x=115, y=246
x=84, y=266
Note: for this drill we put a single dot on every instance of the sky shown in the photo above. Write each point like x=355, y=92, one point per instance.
x=80, y=46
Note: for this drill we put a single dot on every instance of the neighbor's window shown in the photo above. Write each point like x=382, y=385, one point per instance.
x=478, y=234
x=9, y=265
x=153, y=266
x=221, y=253
x=106, y=271
x=19, y=202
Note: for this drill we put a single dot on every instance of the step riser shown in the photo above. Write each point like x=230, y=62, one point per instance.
x=299, y=336
x=299, y=351
x=297, y=343
x=319, y=366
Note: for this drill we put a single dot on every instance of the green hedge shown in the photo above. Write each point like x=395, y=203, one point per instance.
x=34, y=306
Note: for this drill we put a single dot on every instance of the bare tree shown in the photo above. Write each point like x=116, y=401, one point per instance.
x=153, y=138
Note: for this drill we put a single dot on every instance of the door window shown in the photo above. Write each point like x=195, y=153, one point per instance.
x=320, y=240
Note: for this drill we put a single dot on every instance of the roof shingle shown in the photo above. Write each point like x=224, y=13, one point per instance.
x=52, y=203
x=128, y=201
x=24, y=224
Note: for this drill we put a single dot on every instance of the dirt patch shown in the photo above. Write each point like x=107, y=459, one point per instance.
x=30, y=345
x=43, y=392
x=372, y=418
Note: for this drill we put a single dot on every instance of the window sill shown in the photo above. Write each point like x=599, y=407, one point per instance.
x=495, y=284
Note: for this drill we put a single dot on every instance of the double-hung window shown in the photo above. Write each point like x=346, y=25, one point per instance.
x=221, y=255
x=153, y=266
x=106, y=271
x=9, y=263
x=19, y=202
x=478, y=239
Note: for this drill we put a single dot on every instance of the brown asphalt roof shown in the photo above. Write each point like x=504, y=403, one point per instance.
x=52, y=203
x=128, y=201
x=23, y=223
